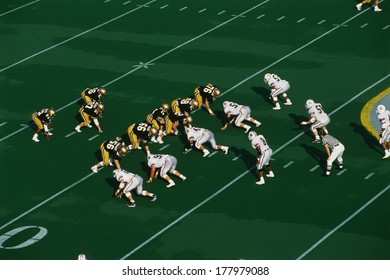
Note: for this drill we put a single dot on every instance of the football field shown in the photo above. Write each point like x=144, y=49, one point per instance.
x=146, y=53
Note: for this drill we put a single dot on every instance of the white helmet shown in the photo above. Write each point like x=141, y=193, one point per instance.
x=115, y=172
x=309, y=103
x=225, y=104
x=252, y=135
x=380, y=109
x=267, y=77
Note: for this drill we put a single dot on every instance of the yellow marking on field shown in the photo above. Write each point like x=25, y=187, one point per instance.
x=367, y=109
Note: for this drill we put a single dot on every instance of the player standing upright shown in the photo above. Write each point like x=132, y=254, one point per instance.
x=278, y=86
x=264, y=154
x=318, y=119
x=43, y=119
x=384, y=135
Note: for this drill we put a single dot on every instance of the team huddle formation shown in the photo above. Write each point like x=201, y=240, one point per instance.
x=172, y=119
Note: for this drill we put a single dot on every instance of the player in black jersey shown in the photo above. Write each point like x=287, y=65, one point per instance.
x=90, y=112
x=43, y=119
x=205, y=95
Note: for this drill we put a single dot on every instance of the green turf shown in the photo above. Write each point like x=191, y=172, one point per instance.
x=195, y=219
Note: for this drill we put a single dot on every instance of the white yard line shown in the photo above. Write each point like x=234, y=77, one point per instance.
x=342, y=223
x=369, y=176
x=212, y=154
x=314, y=168
x=149, y=62
x=341, y=172
x=288, y=164
x=93, y=137
x=163, y=148
x=237, y=157
x=235, y=179
x=18, y=8
x=3, y=123
x=74, y=37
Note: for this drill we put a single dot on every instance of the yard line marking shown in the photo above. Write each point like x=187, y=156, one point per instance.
x=237, y=157
x=70, y=134
x=235, y=179
x=93, y=137
x=163, y=7
x=163, y=148
x=387, y=26
x=221, y=12
x=195, y=38
x=74, y=37
x=237, y=16
x=107, y=1
x=282, y=17
x=260, y=16
x=201, y=11
x=343, y=223
x=314, y=168
x=341, y=172
x=364, y=25
x=3, y=123
x=18, y=8
x=340, y=25
x=288, y=164
x=321, y=22
x=213, y=153
x=127, y=2
x=302, y=19
x=369, y=175
x=47, y=200
x=182, y=9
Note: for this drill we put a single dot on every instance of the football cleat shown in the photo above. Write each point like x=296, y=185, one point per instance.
x=153, y=198
x=288, y=102
x=277, y=107
x=317, y=140
x=247, y=129
x=77, y=128
x=359, y=6
x=35, y=139
x=131, y=204
x=258, y=123
x=270, y=174
x=377, y=9
x=261, y=181
x=94, y=169
x=171, y=184
x=225, y=150
x=206, y=152
x=49, y=133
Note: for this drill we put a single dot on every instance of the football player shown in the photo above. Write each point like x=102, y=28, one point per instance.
x=264, y=154
x=157, y=120
x=140, y=132
x=205, y=95
x=96, y=94
x=334, y=149
x=199, y=136
x=184, y=106
x=43, y=119
x=278, y=86
x=90, y=111
x=111, y=152
x=318, y=119
x=384, y=134
x=164, y=164
x=238, y=113
x=128, y=182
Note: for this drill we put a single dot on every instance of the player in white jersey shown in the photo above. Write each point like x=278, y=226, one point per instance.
x=238, y=113
x=318, y=119
x=200, y=136
x=264, y=154
x=334, y=149
x=128, y=182
x=278, y=86
x=163, y=164
x=384, y=135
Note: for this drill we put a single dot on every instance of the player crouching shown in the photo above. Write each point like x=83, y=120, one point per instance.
x=128, y=182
